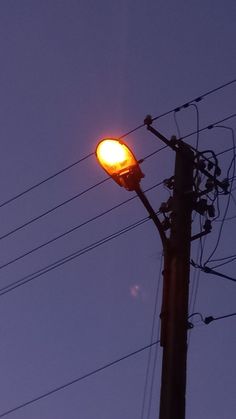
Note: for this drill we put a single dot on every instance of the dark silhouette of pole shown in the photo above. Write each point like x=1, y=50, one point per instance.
x=174, y=314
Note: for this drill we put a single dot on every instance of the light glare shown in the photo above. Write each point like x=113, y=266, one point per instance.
x=112, y=152
x=119, y=162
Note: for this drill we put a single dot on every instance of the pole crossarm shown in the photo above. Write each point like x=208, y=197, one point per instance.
x=179, y=146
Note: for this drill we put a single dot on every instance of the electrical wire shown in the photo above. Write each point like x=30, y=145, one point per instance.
x=156, y=348
x=210, y=126
x=227, y=219
x=150, y=350
x=224, y=263
x=225, y=151
x=36, y=185
x=9, y=233
x=209, y=319
x=195, y=279
x=233, y=166
x=196, y=284
x=67, y=201
x=196, y=99
x=77, y=380
x=146, y=158
x=195, y=293
x=71, y=230
x=223, y=258
x=198, y=123
x=95, y=186
x=43, y=181
x=28, y=278
x=199, y=130
x=176, y=123
x=45, y=213
x=211, y=271
x=233, y=198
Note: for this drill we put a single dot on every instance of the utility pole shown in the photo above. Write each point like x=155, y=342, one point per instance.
x=119, y=162
x=174, y=314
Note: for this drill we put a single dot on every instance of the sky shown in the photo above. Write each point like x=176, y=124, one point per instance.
x=72, y=72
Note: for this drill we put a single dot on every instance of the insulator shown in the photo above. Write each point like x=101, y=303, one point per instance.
x=210, y=165
x=207, y=225
x=200, y=164
x=201, y=206
x=169, y=183
x=166, y=224
x=163, y=207
x=209, y=184
x=211, y=211
x=225, y=185
x=148, y=120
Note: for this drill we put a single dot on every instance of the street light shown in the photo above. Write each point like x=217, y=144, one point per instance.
x=119, y=162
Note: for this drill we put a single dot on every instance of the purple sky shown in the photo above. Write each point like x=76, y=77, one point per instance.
x=72, y=72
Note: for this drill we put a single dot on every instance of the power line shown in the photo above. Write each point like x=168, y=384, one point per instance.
x=232, y=165
x=32, y=220
x=176, y=109
x=210, y=126
x=36, y=185
x=223, y=258
x=207, y=320
x=48, y=268
x=226, y=259
x=198, y=123
x=198, y=120
x=211, y=319
x=177, y=124
x=45, y=213
x=225, y=151
x=104, y=180
x=227, y=219
x=71, y=230
x=209, y=270
x=196, y=99
x=28, y=278
x=213, y=272
x=184, y=106
x=78, y=379
x=156, y=348
x=207, y=127
x=154, y=318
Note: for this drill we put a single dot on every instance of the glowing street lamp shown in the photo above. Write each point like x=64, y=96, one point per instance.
x=119, y=162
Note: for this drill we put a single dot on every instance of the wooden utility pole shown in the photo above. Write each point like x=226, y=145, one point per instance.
x=174, y=313
x=176, y=248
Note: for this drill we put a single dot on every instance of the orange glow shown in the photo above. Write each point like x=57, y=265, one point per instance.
x=114, y=156
x=118, y=161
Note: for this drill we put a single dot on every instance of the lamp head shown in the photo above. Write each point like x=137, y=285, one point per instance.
x=119, y=162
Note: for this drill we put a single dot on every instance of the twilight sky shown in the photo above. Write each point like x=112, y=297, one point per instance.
x=72, y=72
